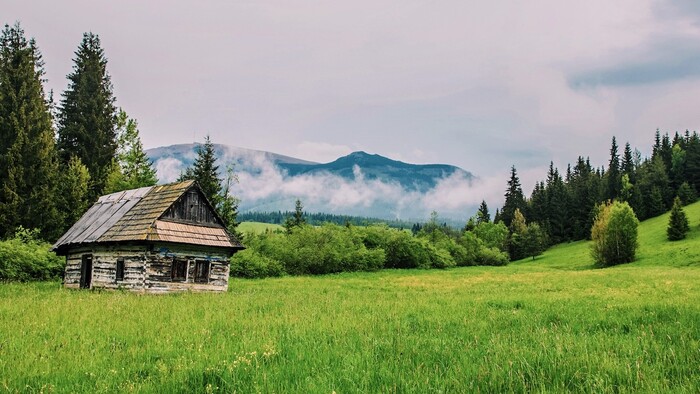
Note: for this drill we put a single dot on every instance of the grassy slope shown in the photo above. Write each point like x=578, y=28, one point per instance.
x=549, y=325
x=258, y=227
x=654, y=247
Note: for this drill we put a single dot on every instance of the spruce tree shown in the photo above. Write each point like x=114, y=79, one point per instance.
x=613, y=173
x=692, y=161
x=628, y=163
x=483, y=215
x=297, y=219
x=28, y=165
x=229, y=204
x=514, y=198
x=204, y=170
x=87, y=115
x=687, y=194
x=678, y=225
x=558, y=222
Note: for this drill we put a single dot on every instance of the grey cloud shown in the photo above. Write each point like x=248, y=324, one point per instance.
x=680, y=66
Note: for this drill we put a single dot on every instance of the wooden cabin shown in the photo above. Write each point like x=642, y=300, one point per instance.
x=154, y=239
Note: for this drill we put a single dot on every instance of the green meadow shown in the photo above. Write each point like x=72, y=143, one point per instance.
x=258, y=227
x=554, y=324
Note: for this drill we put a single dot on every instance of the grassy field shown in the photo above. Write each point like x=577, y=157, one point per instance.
x=257, y=227
x=553, y=324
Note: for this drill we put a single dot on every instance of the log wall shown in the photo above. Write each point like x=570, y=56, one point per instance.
x=148, y=268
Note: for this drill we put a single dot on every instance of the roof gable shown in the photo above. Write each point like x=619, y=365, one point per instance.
x=192, y=207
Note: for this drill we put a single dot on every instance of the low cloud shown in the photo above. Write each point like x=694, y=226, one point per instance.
x=168, y=169
x=263, y=186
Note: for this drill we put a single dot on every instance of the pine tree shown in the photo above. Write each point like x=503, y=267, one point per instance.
x=483, y=215
x=613, y=173
x=687, y=194
x=205, y=171
x=87, y=115
x=297, y=219
x=28, y=165
x=514, y=198
x=497, y=217
x=692, y=161
x=558, y=223
x=229, y=204
x=537, y=204
x=628, y=163
x=678, y=225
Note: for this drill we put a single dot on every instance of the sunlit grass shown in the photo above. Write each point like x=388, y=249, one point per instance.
x=258, y=227
x=553, y=324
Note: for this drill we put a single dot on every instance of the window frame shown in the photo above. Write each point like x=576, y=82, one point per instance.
x=120, y=270
x=176, y=268
x=202, y=266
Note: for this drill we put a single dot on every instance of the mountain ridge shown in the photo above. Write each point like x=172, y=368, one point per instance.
x=360, y=183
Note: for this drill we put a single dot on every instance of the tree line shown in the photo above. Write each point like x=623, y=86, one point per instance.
x=319, y=218
x=565, y=205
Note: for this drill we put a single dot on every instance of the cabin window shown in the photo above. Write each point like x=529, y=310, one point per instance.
x=201, y=272
x=179, y=270
x=120, y=269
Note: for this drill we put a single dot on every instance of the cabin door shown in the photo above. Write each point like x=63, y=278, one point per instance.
x=86, y=272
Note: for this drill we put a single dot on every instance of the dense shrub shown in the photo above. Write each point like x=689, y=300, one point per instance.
x=331, y=248
x=471, y=247
x=320, y=250
x=251, y=264
x=24, y=257
x=494, y=235
x=614, y=234
x=492, y=256
x=405, y=251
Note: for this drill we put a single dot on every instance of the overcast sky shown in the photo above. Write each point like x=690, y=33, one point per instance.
x=481, y=85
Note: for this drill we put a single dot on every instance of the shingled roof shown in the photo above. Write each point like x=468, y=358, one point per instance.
x=134, y=215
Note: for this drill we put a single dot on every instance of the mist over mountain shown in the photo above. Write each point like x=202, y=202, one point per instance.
x=357, y=184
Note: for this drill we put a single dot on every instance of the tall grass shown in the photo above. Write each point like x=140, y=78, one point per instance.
x=552, y=325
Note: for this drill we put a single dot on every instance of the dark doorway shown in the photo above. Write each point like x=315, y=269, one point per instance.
x=86, y=272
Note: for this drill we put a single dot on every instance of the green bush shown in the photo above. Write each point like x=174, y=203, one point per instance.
x=251, y=264
x=405, y=251
x=24, y=257
x=614, y=234
x=493, y=235
x=320, y=250
x=492, y=256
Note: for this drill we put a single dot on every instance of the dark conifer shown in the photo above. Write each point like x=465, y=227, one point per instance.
x=678, y=225
x=483, y=215
x=205, y=171
x=87, y=115
x=613, y=173
x=28, y=165
x=628, y=162
x=514, y=198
